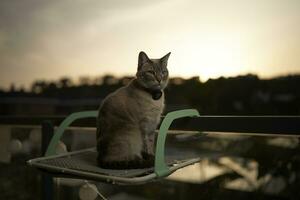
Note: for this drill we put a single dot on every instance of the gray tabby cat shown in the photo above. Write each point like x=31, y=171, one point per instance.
x=129, y=116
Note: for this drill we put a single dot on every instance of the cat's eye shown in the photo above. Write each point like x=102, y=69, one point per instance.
x=165, y=73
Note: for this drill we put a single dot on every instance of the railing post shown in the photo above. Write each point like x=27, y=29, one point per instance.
x=47, y=181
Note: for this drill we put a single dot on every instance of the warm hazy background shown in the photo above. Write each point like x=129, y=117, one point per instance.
x=55, y=38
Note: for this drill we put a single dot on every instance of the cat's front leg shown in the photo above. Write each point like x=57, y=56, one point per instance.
x=149, y=148
x=148, y=127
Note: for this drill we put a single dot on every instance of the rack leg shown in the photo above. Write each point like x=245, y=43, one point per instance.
x=47, y=181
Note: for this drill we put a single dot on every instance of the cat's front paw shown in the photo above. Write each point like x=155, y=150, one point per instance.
x=149, y=158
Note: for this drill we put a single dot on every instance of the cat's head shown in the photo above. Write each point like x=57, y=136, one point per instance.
x=153, y=73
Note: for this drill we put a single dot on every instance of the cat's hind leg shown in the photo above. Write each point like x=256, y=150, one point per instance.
x=123, y=152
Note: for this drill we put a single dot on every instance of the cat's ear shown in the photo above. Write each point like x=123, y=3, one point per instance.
x=143, y=58
x=164, y=60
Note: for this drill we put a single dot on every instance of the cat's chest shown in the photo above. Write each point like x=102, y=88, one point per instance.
x=150, y=110
x=153, y=107
x=149, y=117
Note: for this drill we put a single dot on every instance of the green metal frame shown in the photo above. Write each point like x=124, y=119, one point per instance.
x=65, y=124
x=160, y=167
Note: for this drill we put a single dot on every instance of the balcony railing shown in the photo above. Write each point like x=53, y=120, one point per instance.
x=279, y=126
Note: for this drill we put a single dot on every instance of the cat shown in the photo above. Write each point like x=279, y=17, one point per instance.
x=129, y=117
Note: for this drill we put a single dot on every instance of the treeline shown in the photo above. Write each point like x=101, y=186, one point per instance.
x=235, y=95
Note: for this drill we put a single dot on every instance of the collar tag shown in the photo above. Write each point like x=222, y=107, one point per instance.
x=156, y=95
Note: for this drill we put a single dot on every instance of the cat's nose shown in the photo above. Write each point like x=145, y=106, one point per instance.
x=158, y=79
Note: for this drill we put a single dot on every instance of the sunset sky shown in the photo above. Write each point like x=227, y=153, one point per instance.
x=54, y=38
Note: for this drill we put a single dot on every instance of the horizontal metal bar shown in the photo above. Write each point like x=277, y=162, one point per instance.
x=285, y=125
x=242, y=124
